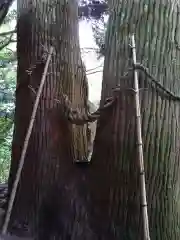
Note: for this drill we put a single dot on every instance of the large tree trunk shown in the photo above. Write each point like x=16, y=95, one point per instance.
x=116, y=194
x=47, y=196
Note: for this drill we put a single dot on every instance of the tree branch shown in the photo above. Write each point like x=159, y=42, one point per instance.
x=10, y=40
x=4, y=8
x=7, y=33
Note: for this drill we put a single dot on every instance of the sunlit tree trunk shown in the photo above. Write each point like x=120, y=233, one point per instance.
x=48, y=193
x=116, y=194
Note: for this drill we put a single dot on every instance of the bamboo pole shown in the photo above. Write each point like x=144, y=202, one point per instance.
x=140, y=148
x=25, y=146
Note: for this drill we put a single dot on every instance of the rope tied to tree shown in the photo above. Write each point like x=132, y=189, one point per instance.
x=74, y=116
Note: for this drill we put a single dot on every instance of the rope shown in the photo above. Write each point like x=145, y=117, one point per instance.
x=160, y=88
x=76, y=117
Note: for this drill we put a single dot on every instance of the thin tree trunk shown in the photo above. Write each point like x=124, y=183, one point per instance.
x=116, y=194
x=48, y=193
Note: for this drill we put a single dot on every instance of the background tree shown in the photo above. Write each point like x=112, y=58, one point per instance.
x=114, y=163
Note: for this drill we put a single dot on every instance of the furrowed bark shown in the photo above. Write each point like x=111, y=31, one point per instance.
x=49, y=189
x=115, y=164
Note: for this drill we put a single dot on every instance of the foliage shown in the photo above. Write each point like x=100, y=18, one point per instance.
x=4, y=8
x=5, y=147
x=10, y=17
x=7, y=87
x=99, y=28
x=93, y=9
x=8, y=64
x=96, y=11
x=6, y=118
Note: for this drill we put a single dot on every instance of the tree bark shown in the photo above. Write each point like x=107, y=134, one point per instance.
x=116, y=194
x=48, y=192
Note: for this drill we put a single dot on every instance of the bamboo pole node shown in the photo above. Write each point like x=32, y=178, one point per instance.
x=25, y=146
x=146, y=234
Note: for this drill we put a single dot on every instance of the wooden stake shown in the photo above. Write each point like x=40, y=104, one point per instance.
x=23, y=154
x=140, y=148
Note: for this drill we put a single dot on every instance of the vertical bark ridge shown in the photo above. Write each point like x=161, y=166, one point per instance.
x=155, y=25
x=50, y=201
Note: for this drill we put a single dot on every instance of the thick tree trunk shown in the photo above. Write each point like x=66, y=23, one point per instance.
x=48, y=192
x=116, y=194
